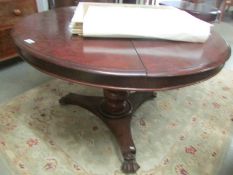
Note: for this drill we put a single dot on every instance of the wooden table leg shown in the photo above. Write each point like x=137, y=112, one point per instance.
x=115, y=109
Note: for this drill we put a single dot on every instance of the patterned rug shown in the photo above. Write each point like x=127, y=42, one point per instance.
x=181, y=132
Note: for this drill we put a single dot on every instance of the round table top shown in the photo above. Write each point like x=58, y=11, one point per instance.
x=45, y=41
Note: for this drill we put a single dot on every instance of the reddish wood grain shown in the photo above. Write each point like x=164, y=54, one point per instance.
x=45, y=42
x=166, y=58
x=11, y=11
x=115, y=63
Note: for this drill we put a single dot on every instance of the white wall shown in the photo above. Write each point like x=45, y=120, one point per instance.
x=42, y=5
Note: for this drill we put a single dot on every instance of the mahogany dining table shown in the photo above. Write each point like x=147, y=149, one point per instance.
x=129, y=71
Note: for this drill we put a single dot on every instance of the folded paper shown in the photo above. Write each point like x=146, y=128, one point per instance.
x=156, y=22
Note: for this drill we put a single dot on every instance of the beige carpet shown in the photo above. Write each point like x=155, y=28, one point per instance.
x=182, y=132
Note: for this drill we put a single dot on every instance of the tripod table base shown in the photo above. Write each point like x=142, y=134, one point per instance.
x=115, y=109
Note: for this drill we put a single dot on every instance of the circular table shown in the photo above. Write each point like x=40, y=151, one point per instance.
x=128, y=70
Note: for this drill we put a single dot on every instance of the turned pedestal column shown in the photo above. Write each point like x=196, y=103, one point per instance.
x=115, y=109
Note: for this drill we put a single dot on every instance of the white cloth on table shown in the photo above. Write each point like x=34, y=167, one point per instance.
x=160, y=22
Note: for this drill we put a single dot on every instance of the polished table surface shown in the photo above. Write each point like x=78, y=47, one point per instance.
x=116, y=65
x=125, y=63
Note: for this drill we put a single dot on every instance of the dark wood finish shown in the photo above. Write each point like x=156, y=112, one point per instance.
x=7, y=46
x=116, y=65
x=11, y=11
x=115, y=109
x=196, y=8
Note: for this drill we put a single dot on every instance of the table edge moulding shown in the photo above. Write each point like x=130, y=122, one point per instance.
x=128, y=70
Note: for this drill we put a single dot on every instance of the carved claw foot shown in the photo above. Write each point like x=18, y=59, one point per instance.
x=154, y=94
x=115, y=109
x=129, y=165
x=64, y=100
